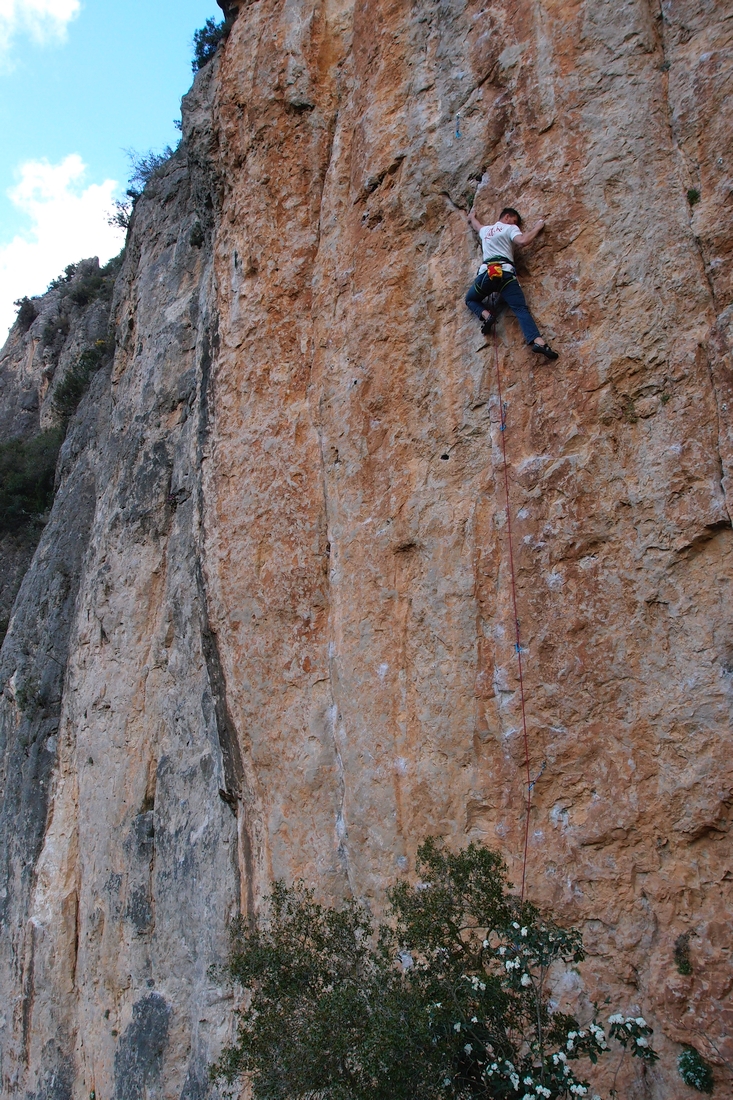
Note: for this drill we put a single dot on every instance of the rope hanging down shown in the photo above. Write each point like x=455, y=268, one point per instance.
x=518, y=642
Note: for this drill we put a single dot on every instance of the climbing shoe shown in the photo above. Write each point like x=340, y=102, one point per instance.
x=488, y=326
x=543, y=349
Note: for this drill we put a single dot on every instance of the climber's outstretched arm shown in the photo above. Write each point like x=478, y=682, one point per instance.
x=473, y=221
x=526, y=238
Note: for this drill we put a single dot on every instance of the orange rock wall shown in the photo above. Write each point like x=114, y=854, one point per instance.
x=362, y=577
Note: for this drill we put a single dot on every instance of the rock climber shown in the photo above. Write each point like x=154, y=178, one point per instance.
x=497, y=276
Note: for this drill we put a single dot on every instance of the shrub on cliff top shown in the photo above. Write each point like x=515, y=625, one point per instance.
x=27, y=313
x=95, y=282
x=446, y=1001
x=206, y=42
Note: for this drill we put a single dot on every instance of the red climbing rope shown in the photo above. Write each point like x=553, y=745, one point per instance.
x=518, y=643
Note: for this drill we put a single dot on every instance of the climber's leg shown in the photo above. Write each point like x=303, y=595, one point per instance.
x=513, y=295
x=480, y=289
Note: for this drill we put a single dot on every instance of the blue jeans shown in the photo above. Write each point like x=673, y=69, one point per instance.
x=509, y=293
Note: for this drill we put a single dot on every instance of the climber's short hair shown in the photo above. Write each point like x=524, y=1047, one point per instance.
x=511, y=210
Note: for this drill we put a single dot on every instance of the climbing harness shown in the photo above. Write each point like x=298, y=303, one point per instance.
x=498, y=273
x=518, y=641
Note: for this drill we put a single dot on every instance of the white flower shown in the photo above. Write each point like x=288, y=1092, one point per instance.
x=528, y=1081
x=438, y=1004
x=486, y=943
x=502, y=950
x=642, y=1042
x=617, y=1018
x=641, y=1021
x=468, y=1048
x=514, y=1080
x=482, y=986
x=581, y=1035
x=514, y=924
x=456, y=1027
x=523, y=932
x=570, y=1044
x=526, y=980
x=474, y=1019
x=572, y=1034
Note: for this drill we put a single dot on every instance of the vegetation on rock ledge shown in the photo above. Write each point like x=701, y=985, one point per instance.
x=447, y=1001
x=76, y=381
x=27, y=470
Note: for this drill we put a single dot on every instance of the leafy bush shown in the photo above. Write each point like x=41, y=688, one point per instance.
x=447, y=1001
x=27, y=469
x=693, y=196
x=76, y=382
x=27, y=313
x=145, y=167
x=206, y=42
x=695, y=1071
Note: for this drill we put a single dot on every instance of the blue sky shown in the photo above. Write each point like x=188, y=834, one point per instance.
x=81, y=81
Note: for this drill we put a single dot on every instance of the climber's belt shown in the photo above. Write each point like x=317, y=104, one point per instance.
x=497, y=268
x=493, y=276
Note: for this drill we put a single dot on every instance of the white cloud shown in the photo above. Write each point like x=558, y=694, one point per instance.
x=43, y=20
x=68, y=222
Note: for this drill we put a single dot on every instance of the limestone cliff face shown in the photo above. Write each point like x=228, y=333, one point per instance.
x=273, y=600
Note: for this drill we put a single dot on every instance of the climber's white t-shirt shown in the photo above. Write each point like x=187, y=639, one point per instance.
x=496, y=240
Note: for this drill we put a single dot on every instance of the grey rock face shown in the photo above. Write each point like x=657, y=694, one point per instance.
x=70, y=319
x=102, y=936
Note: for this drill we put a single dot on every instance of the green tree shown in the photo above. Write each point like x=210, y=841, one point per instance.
x=206, y=42
x=447, y=1000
